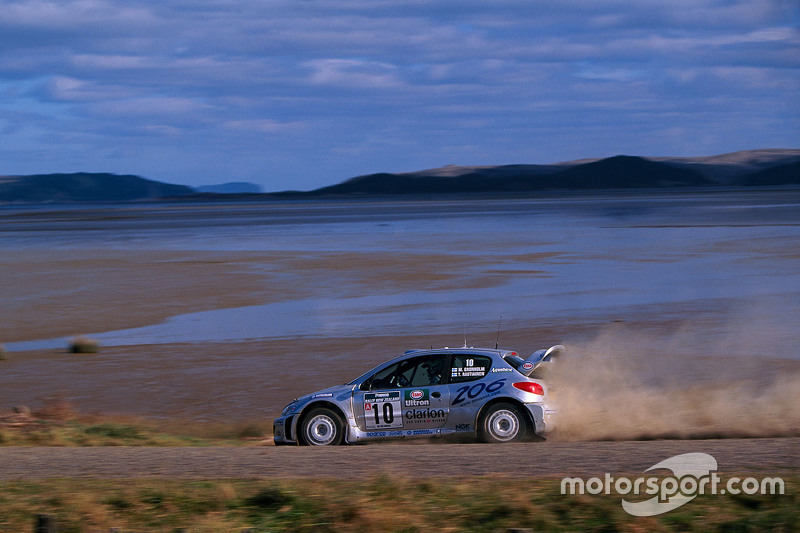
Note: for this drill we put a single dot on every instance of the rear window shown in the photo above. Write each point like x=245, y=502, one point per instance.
x=468, y=367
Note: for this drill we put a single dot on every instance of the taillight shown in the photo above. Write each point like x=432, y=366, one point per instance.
x=530, y=386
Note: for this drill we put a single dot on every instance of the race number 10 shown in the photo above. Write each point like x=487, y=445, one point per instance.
x=382, y=410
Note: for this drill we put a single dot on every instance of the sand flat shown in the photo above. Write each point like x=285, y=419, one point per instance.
x=668, y=308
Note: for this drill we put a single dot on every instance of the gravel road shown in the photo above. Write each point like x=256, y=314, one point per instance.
x=417, y=460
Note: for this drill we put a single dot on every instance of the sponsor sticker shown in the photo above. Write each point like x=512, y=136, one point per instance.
x=468, y=394
x=426, y=415
x=416, y=398
x=425, y=432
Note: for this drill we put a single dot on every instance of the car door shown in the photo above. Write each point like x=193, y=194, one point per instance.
x=408, y=397
x=472, y=383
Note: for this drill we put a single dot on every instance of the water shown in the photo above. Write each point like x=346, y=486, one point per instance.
x=554, y=259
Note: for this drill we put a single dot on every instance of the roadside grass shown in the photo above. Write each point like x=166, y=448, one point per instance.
x=58, y=423
x=116, y=433
x=378, y=504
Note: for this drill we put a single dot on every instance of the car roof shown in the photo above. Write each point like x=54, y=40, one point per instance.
x=437, y=351
x=462, y=350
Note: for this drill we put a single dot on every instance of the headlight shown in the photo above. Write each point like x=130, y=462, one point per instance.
x=289, y=409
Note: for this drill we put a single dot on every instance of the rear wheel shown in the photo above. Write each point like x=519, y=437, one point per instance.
x=503, y=422
x=322, y=427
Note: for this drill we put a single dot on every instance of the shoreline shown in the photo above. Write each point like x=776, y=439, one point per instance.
x=245, y=381
x=668, y=310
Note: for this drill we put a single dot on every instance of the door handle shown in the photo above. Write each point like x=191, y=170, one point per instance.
x=435, y=394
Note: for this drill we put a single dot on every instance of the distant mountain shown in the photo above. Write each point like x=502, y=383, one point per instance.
x=626, y=172
x=787, y=174
x=749, y=168
x=735, y=168
x=233, y=187
x=85, y=187
x=752, y=168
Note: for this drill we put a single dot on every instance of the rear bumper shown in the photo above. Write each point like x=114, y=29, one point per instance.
x=543, y=417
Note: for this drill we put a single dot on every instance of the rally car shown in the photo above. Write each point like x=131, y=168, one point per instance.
x=492, y=395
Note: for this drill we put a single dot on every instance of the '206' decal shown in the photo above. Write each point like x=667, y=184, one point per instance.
x=473, y=391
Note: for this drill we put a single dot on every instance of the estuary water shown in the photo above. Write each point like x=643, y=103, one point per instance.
x=732, y=255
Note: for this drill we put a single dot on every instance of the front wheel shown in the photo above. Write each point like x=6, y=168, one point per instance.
x=322, y=427
x=502, y=422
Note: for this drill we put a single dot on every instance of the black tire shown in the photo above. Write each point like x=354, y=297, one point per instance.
x=321, y=427
x=503, y=422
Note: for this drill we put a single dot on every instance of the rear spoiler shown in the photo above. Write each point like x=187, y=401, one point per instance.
x=539, y=358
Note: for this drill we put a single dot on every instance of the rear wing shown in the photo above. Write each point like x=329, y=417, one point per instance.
x=539, y=359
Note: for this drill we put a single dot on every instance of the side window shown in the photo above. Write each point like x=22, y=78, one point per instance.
x=468, y=367
x=423, y=371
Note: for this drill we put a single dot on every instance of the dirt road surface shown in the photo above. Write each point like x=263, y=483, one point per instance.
x=413, y=460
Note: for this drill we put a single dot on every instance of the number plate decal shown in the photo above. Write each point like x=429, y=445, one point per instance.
x=382, y=410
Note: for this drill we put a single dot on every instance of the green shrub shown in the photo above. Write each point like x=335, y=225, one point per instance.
x=114, y=431
x=268, y=499
x=84, y=345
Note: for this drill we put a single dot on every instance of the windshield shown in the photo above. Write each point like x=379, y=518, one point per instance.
x=363, y=376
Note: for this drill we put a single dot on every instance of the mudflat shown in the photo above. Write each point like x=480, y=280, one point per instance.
x=670, y=326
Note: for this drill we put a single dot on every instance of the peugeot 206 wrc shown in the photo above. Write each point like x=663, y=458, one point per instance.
x=493, y=395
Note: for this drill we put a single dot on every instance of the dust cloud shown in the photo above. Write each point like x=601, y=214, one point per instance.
x=696, y=381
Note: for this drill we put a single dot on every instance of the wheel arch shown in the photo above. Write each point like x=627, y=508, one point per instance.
x=303, y=414
x=531, y=423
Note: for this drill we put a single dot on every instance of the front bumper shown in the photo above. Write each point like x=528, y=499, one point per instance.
x=282, y=431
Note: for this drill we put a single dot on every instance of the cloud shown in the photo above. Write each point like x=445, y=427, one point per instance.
x=265, y=126
x=164, y=108
x=35, y=14
x=111, y=62
x=353, y=73
x=400, y=83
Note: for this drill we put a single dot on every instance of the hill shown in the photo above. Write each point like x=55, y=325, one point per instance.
x=787, y=174
x=751, y=168
x=85, y=187
x=233, y=187
x=748, y=168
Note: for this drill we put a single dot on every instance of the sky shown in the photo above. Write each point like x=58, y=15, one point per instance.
x=299, y=94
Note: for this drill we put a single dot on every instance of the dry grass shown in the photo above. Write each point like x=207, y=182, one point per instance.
x=58, y=423
x=378, y=504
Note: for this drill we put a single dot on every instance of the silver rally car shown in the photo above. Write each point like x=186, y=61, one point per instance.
x=493, y=395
